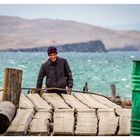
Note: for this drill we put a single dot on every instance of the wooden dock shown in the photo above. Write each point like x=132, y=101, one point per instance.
x=77, y=114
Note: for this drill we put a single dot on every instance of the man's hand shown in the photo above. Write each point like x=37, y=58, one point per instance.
x=69, y=90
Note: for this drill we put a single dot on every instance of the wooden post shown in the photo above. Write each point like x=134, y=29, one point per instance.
x=85, y=88
x=12, y=86
x=7, y=112
x=113, y=91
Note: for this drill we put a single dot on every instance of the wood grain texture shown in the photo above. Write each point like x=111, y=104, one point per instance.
x=124, y=121
x=74, y=102
x=38, y=102
x=88, y=100
x=55, y=100
x=19, y=125
x=12, y=85
x=108, y=122
x=25, y=103
x=78, y=114
x=40, y=125
x=64, y=122
x=86, y=122
x=105, y=101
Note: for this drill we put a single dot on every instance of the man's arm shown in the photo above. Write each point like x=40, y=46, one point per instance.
x=68, y=75
x=41, y=75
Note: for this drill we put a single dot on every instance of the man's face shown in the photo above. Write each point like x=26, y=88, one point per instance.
x=53, y=57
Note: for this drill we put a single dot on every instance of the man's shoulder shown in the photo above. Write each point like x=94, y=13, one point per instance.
x=45, y=63
x=62, y=59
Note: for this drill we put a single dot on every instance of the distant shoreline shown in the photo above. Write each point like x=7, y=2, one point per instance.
x=91, y=46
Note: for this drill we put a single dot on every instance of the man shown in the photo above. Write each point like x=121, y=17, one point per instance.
x=58, y=73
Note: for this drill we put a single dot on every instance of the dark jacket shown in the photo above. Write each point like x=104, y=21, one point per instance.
x=58, y=74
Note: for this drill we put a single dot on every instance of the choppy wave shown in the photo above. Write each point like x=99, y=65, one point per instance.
x=98, y=69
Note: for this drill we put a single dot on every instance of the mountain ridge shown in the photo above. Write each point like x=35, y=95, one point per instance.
x=17, y=33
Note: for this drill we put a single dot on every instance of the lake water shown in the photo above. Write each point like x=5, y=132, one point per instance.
x=98, y=69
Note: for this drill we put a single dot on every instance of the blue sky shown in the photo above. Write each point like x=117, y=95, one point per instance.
x=116, y=16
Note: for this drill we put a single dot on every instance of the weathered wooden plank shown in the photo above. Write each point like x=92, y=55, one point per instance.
x=105, y=101
x=86, y=122
x=19, y=125
x=43, y=115
x=55, y=100
x=40, y=125
x=124, y=121
x=1, y=96
x=38, y=102
x=108, y=122
x=91, y=102
x=25, y=103
x=74, y=102
x=63, y=122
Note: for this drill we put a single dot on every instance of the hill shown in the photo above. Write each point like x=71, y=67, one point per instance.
x=19, y=33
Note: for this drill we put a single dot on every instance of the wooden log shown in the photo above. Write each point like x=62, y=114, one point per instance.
x=40, y=125
x=105, y=101
x=124, y=121
x=108, y=122
x=63, y=122
x=19, y=125
x=7, y=112
x=92, y=103
x=25, y=103
x=74, y=102
x=38, y=102
x=12, y=86
x=55, y=100
x=86, y=122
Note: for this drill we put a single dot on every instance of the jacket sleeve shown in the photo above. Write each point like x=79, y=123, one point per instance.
x=41, y=75
x=68, y=74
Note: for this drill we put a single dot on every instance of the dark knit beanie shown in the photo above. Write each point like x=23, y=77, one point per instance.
x=52, y=49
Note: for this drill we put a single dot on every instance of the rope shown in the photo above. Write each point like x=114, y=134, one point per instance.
x=41, y=89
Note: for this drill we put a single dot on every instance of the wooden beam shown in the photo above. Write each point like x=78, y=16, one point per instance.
x=19, y=125
x=64, y=122
x=25, y=103
x=86, y=124
x=124, y=121
x=40, y=125
x=74, y=102
x=55, y=100
x=38, y=102
x=108, y=122
x=105, y=101
x=92, y=103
